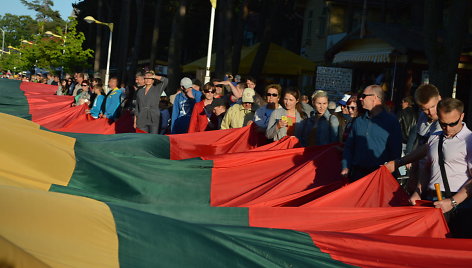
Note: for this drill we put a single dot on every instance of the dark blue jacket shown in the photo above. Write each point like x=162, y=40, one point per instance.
x=373, y=141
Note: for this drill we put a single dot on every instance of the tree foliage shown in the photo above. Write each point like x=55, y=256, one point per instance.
x=51, y=53
x=17, y=28
x=47, y=18
x=10, y=61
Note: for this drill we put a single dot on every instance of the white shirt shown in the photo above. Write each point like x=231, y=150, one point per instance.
x=457, y=159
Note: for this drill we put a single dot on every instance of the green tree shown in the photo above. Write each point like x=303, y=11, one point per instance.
x=17, y=28
x=53, y=52
x=47, y=18
x=11, y=61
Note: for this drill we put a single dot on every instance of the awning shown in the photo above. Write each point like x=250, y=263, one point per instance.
x=372, y=50
x=375, y=56
x=279, y=61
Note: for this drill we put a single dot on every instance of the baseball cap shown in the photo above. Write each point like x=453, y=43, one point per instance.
x=186, y=82
x=344, y=100
x=248, y=95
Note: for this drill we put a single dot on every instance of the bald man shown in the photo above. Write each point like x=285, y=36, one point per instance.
x=375, y=137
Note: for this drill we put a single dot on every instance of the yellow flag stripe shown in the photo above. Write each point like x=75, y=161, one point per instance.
x=33, y=158
x=56, y=229
x=13, y=256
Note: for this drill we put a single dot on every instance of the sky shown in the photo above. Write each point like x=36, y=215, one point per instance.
x=15, y=7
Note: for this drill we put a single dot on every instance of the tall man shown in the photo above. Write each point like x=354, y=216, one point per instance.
x=375, y=137
x=147, y=116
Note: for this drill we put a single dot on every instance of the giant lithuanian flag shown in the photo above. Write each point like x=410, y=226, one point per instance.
x=213, y=199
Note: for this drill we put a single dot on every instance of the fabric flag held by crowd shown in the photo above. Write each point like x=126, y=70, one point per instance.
x=139, y=200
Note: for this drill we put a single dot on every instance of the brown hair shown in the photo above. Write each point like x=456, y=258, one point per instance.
x=296, y=93
x=208, y=86
x=449, y=104
x=425, y=93
x=276, y=86
x=409, y=100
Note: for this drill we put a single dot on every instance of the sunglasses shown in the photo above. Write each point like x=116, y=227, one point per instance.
x=362, y=96
x=352, y=107
x=453, y=124
x=85, y=85
x=272, y=94
x=209, y=91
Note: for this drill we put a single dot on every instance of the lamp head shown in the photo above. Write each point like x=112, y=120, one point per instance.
x=89, y=19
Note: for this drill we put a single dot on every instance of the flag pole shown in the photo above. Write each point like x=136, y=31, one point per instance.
x=210, y=43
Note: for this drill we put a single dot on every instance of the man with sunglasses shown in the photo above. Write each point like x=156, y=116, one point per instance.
x=456, y=141
x=375, y=137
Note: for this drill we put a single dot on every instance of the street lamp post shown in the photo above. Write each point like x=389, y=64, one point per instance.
x=90, y=19
x=63, y=48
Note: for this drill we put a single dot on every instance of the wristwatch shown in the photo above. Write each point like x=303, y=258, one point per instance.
x=453, y=203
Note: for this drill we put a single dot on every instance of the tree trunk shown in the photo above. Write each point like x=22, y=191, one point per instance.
x=123, y=40
x=175, y=48
x=137, y=39
x=98, y=40
x=228, y=34
x=239, y=37
x=270, y=17
x=443, y=52
x=155, y=33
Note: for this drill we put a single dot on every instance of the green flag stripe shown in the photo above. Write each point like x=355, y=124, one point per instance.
x=131, y=170
x=12, y=99
x=156, y=241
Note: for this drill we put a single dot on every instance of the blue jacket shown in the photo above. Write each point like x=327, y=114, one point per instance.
x=112, y=103
x=373, y=141
x=97, y=106
x=182, y=111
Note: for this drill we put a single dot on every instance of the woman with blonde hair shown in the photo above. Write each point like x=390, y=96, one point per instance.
x=322, y=126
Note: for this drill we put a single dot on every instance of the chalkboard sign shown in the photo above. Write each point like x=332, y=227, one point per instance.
x=333, y=80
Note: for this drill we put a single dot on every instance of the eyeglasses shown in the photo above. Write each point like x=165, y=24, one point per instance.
x=362, y=96
x=453, y=124
x=272, y=94
x=209, y=91
x=352, y=107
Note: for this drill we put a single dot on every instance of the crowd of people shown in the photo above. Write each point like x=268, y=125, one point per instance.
x=426, y=140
